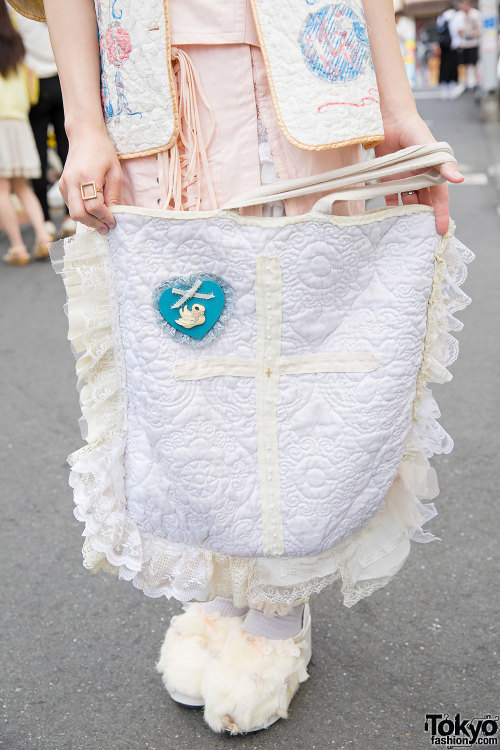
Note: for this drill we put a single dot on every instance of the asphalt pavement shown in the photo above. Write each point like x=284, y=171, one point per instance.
x=77, y=651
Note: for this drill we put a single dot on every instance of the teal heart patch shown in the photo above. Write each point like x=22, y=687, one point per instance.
x=194, y=306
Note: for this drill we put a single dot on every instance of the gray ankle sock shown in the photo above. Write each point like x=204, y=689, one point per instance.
x=224, y=607
x=256, y=623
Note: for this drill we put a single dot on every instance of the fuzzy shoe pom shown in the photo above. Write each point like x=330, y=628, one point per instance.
x=191, y=642
x=252, y=683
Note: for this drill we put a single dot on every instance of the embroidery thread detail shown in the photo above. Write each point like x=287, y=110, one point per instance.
x=373, y=97
x=335, y=44
x=115, y=47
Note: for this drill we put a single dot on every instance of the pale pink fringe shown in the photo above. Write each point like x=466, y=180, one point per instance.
x=183, y=165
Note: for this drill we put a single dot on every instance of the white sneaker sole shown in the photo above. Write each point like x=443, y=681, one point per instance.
x=187, y=700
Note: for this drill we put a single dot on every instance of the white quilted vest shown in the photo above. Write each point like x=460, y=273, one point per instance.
x=318, y=61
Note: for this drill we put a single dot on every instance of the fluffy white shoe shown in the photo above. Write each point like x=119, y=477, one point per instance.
x=191, y=642
x=252, y=683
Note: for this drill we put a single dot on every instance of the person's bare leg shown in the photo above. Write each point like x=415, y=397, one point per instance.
x=32, y=207
x=8, y=215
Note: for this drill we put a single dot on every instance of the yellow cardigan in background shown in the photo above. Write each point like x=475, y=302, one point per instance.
x=14, y=96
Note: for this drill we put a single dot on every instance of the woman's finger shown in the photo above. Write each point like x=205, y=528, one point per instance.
x=113, y=186
x=439, y=195
x=436, y=196
x=450, y=172
x=78, y=211
x=406, y=198
x=112, y=189
x=392, y=200
x=424, y=197
x=63, y=189
x=410, y=198
x=98, y=208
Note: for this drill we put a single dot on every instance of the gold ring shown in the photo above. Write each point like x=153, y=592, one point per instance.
x=86, y=195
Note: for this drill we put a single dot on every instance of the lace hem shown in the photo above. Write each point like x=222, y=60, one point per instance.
x=365, y=562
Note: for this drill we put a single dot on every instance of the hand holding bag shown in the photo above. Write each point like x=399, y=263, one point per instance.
x=255, y=392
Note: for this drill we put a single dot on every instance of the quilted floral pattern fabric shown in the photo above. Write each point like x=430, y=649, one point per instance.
x=270, y=452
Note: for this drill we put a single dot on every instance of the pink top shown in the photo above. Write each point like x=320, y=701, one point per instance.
x=212, y=22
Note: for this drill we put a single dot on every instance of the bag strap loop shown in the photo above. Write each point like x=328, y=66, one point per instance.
x=408, y=159
x=381, y=189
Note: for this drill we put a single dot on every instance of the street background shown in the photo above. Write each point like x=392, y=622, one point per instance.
x=78, y=651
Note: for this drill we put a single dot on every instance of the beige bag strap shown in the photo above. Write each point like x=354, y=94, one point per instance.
x=381, y=189
x=408, y=159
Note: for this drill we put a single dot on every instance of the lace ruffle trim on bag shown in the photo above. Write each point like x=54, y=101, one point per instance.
x=364, y=562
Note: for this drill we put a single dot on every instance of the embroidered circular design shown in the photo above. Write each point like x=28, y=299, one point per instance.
x=195, y=309
x=335, y=44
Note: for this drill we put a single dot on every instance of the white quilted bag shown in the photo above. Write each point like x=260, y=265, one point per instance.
x=254, y=390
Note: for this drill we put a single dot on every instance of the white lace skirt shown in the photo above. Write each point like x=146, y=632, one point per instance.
x=18, y=154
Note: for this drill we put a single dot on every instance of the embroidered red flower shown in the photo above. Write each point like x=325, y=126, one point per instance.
x=116, y=42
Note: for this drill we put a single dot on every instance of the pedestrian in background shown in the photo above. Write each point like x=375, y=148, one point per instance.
x=449, y=25
x=48, y=110
x=470, y=34
x=19, y=160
